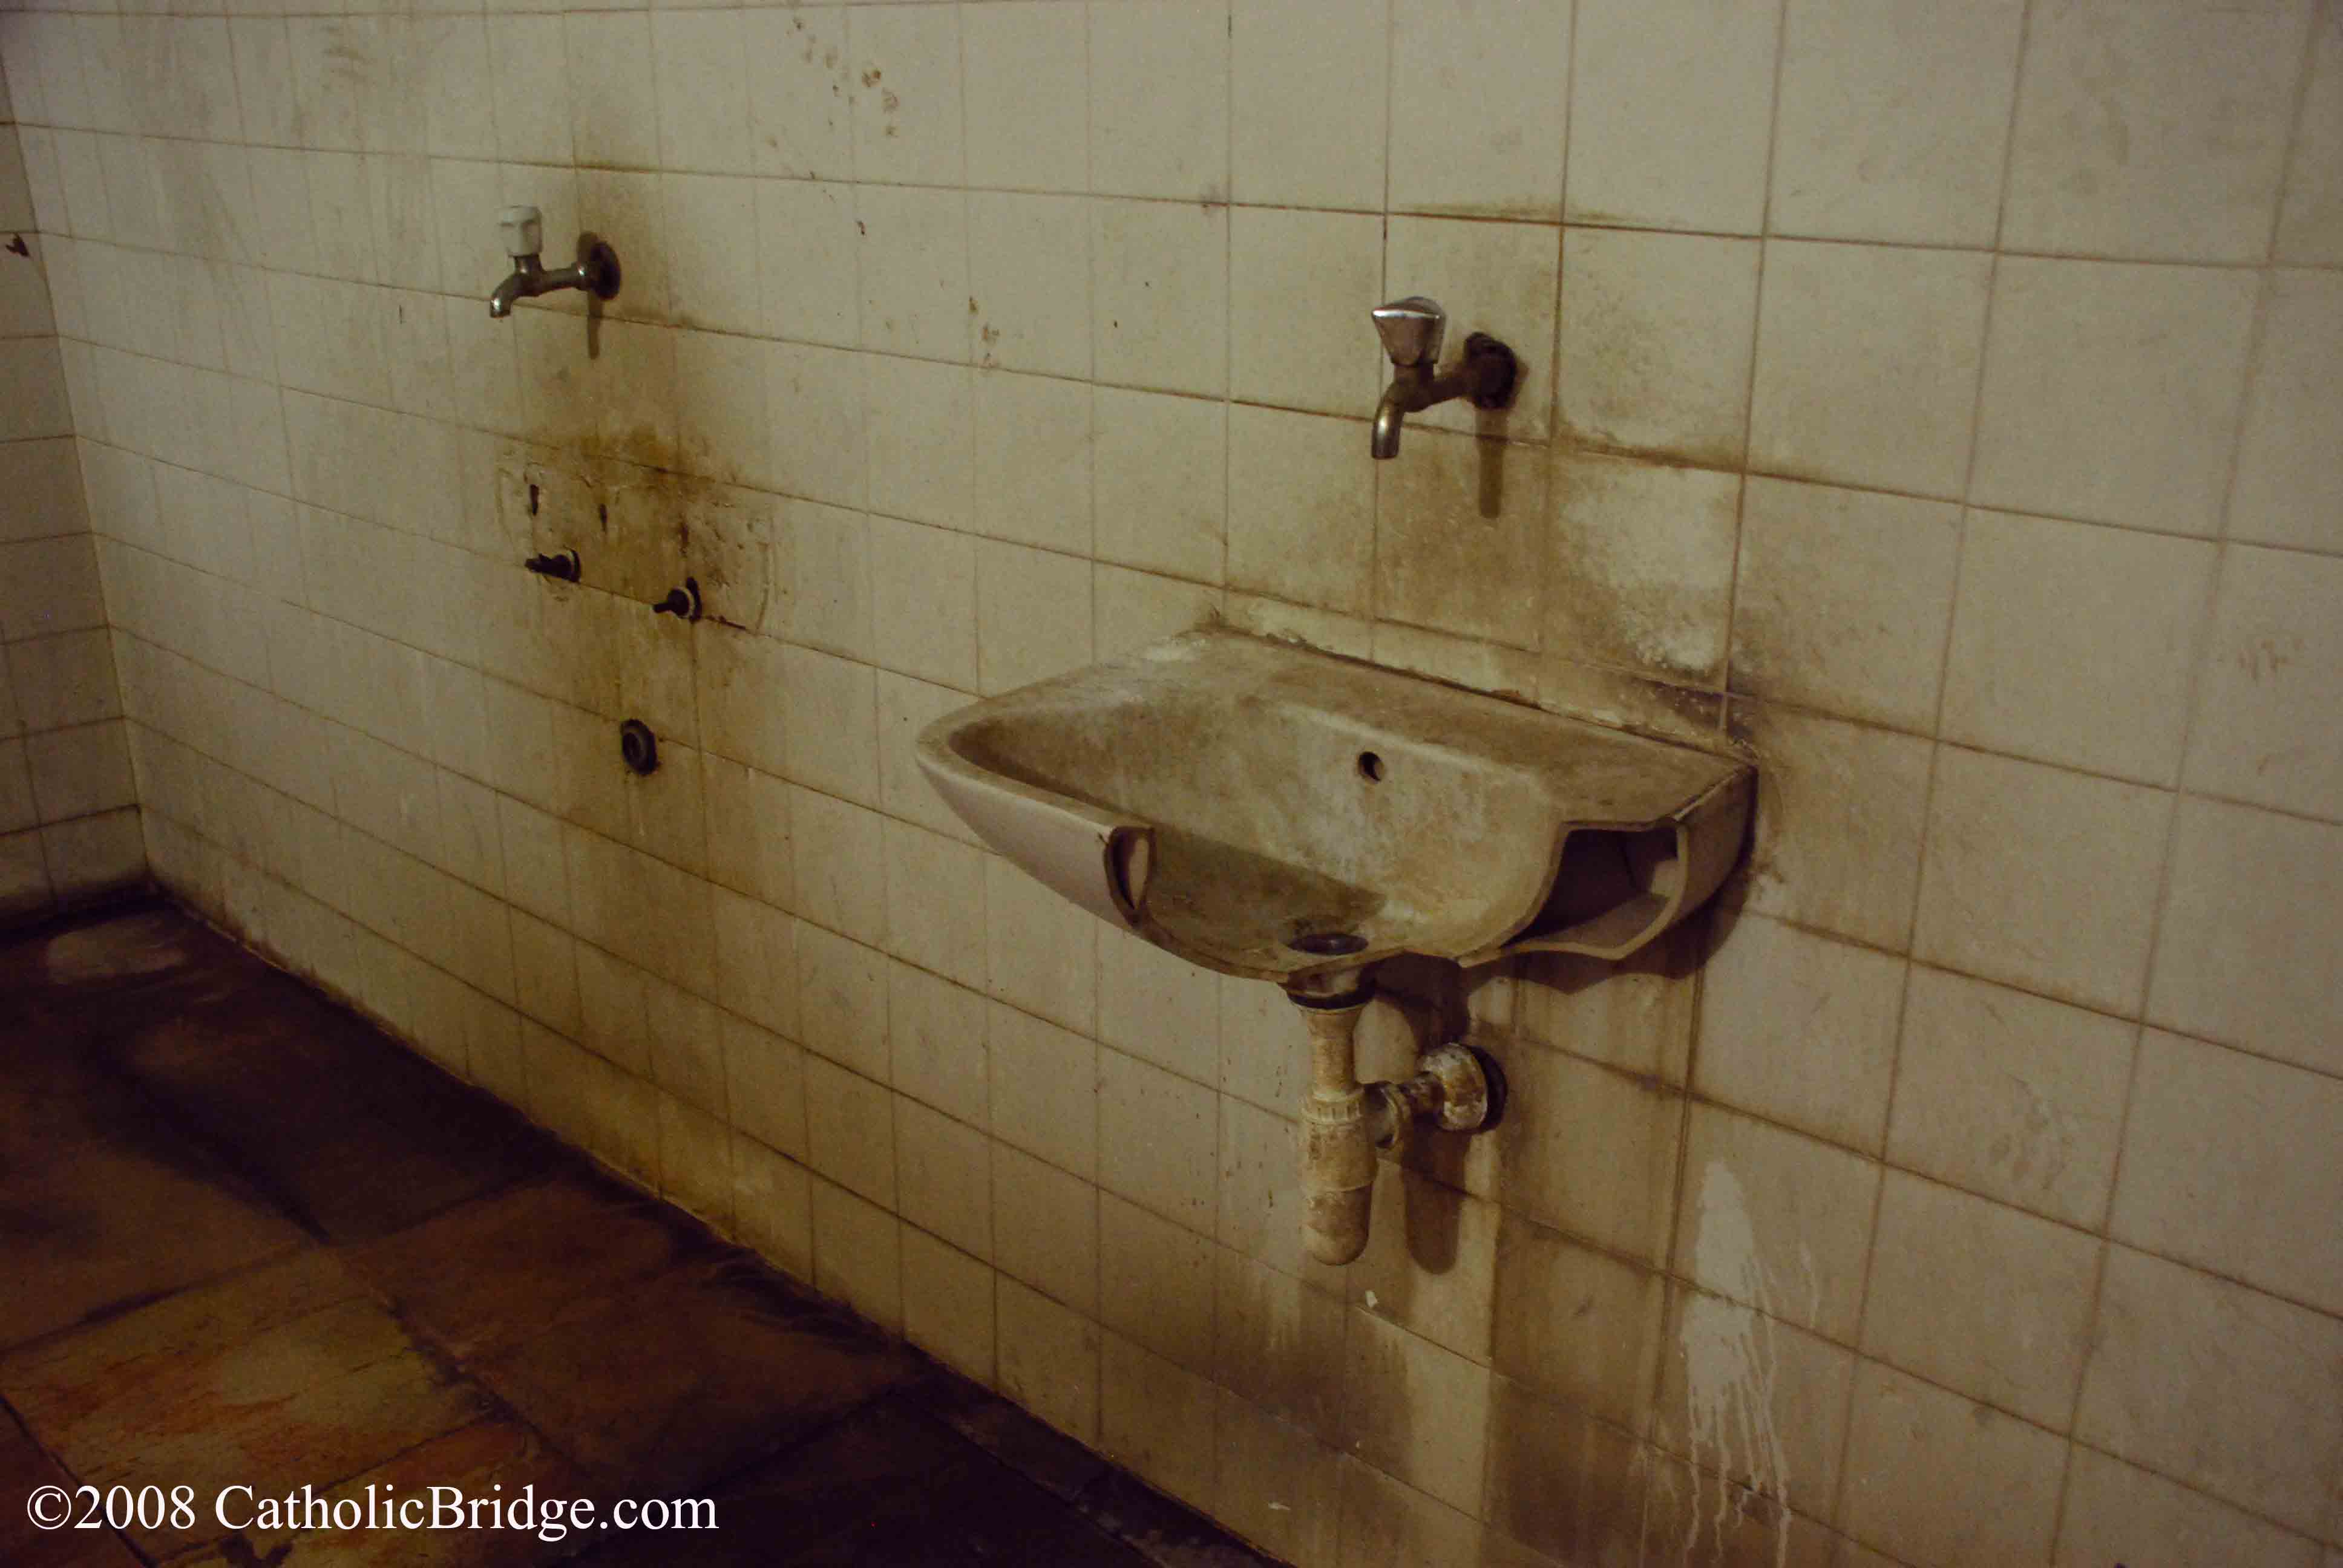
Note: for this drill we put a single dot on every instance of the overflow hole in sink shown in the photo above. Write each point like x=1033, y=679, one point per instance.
x=1370, y=767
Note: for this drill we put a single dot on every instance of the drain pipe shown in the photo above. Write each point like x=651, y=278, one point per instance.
x=1345, y=1122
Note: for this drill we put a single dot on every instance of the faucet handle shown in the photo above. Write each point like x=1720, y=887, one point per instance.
x=1411, y=330
x=523, y=228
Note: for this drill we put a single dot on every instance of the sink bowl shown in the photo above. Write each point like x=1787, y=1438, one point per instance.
x=1272, y=812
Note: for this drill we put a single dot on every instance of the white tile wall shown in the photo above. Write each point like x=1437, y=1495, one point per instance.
x=1934, y=404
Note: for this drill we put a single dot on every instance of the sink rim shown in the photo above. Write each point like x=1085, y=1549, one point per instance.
x=1110, y=859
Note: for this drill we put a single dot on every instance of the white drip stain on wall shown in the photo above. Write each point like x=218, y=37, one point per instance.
x=1730, y=1369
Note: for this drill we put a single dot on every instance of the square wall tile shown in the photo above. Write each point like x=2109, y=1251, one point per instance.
x=1030, y=276
x=2212, y=1383
x=1158, y=74
x=936, y=1041
x=1160, y=477
x=1157, y=1139
x=1483, y=94
x=1591, y=1506
x=1639, y=565
x=2249, y=969
x=1429, y=1264
x=947, y=1305
x=1049, y=1358
x=2041, y=878
x=1414, y=1409
x=850, y=1130
x=1934, y=1478
x=1302, y=508
x=1028, y=101
x=2152, y=134
x=1573, y=1323
x=1637, y=158
x=1045, y=1227
x=1041, y=954
x=2073, y=643
x=1159, y=295
x=2117, y=1512
x=921, y=439
x=2288, y=491
x=1033, y=460
x=1460, y=530
x=1843, y=600
x=1867, y=361
x=1776, y=1220
x=1158, y=1419
x=2010, y=1095
x=809, y=285
x=1155, y=1283
x=1043, y=1088
x=1989, y=1302
x=2232, y=1163
x=1800, y=1030
x=801, y=114
x=1159, y=1007
x=1500, y=278
x=1307, y=96
x=702, y=73
x=1277, y=1484
x=914, y=269
x=1841, y=809
x=2310, y=220
x=935, y=890
x=2264, y=729
x=857, y=1254
x=1657, y=331
x=1032, y=615
x=2111, y=392
x=924, y=601
x=1300, y=285
x=1727, y=1371
x=906, y=91
x=772, y=1205
x=1589, y=1151
x=1893, y=120
x=821, y=450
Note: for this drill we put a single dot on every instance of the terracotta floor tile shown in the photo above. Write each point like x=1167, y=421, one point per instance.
x=680, y=1380
x=286, y=1376
x=481, y=1278
x=102, y=1201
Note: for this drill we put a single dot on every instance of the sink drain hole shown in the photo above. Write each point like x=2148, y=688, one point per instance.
x=1370, y=767
x=1327, y=944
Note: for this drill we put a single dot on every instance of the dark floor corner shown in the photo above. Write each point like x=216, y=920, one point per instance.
x=251, y=1242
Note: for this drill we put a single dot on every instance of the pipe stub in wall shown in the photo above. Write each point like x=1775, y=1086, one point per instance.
x=638, y=747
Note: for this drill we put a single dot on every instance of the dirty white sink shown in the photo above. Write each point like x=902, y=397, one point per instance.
x=1272, y=812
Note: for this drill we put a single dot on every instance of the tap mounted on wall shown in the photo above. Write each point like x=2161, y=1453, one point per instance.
x=1412, y=330
x=524, y=237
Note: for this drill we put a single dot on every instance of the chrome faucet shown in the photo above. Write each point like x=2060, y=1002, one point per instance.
x=523, y=236
x=1412, y=330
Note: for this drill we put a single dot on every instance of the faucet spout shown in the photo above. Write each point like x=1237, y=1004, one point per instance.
x=518, y=284
x=1410, y=392
x=597, y=274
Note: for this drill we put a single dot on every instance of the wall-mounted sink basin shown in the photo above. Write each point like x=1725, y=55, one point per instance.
x=1272, y=812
